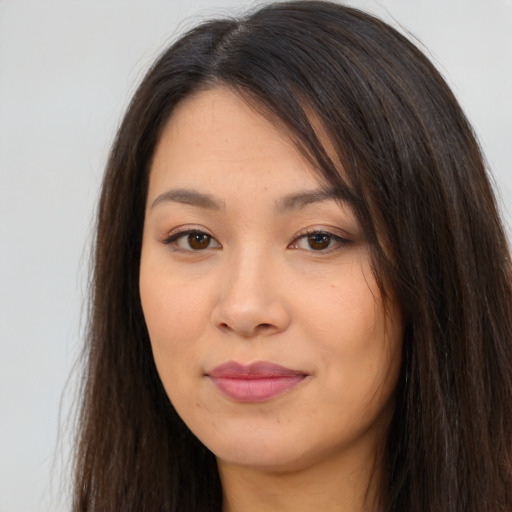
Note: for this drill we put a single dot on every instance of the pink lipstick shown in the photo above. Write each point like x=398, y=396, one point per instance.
x=256, y=382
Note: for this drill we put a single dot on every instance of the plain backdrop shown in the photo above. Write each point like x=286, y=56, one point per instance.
x=67, y=71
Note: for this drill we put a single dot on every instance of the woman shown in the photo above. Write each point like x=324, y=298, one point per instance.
x=302, y=291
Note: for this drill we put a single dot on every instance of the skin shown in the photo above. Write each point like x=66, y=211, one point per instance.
x=256, y=288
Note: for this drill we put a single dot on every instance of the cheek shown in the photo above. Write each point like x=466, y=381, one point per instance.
x=358, y=342
x=176, y=315
x=344, y=309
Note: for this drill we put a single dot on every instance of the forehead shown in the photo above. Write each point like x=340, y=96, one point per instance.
x=217, y=135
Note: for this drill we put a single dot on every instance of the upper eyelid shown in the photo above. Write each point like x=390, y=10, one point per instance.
x=334, y=232
x=183, y=230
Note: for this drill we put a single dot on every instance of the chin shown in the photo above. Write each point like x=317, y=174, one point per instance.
x=271, y=459
x=257, y=447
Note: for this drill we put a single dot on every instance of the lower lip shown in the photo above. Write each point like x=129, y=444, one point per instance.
x=256, y=389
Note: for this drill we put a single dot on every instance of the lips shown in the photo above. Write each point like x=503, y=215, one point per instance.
x=257, y=382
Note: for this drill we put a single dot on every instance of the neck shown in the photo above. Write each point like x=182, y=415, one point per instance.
x=329, y=486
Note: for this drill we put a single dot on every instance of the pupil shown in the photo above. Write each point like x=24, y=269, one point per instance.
x=198, y=241
x=319, y=241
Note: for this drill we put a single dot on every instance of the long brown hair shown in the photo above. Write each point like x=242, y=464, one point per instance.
x=419, y=187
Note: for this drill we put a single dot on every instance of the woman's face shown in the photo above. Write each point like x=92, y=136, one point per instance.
x=266, y=323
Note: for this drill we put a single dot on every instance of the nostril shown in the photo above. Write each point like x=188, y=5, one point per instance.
x=247, y=330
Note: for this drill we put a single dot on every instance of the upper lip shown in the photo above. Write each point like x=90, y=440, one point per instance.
x=257, y=370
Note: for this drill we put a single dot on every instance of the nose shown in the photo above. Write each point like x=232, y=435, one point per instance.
x=249, y=302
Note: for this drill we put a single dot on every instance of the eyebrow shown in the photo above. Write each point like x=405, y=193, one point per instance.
x=303, y=199
x=294, y=201
x=191, y=197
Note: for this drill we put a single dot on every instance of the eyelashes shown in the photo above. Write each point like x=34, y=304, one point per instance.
x=319, y=241
x=193, y=240
x=312, y=240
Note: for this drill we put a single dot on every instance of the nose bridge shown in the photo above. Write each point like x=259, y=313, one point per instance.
x=248, y=270
x=249, y=301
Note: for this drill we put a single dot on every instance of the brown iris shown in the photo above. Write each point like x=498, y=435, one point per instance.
x=319, y=241
x=198, y=241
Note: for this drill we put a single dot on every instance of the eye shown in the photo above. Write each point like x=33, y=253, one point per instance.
x=192, y=240
x=318, y=241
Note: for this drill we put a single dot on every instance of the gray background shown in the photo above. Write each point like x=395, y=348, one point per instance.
x=67, y=70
